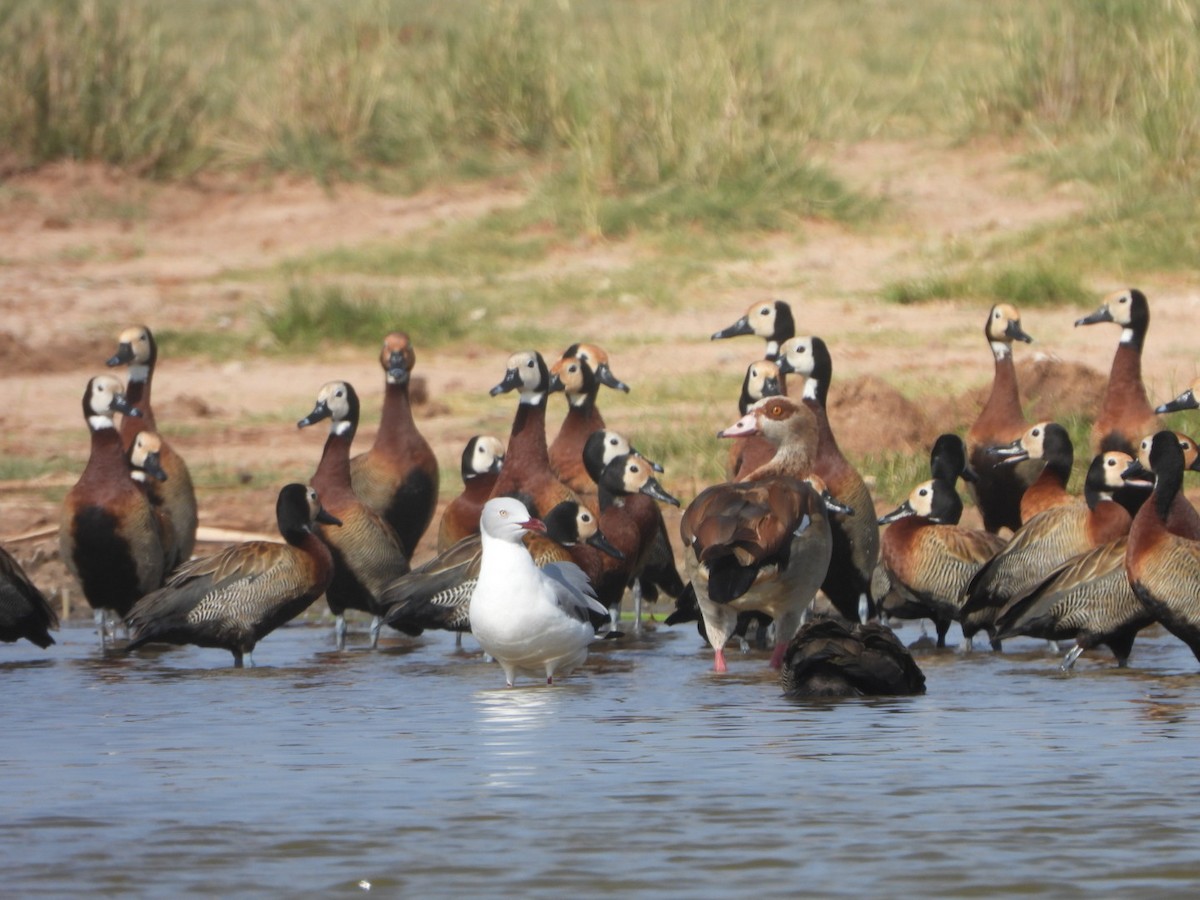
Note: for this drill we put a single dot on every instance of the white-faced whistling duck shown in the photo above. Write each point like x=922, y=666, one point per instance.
x=24, y=610
x=367, y=553
x=175, y=495
x=235, y=598
x=482, y=458
x=1163, y=567
x=855, y=535
x=1047, y=541
x=1125, y=413
x=398, y=477
x=526, y=473
x=998, y=488
x=771, y=320
x=109, y=535
x=929, y=558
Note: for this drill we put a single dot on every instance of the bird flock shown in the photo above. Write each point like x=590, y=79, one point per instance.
x=537, y=553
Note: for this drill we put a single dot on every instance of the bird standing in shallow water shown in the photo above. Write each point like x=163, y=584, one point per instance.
x=529, y=619
x=237, y=597
x=24, y=612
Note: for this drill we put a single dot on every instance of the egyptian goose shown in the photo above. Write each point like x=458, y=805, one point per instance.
x=24, y=611
x=1050, y=443
x=529, y=619
x=482, y=459
x=771, y=320
x=1045, y=542
x=1164, y=567
x=398, y=477
x=1189, y=399
x=830, y=658
x=235, y=598
x=367, y=553
x=526, y=474
x=763, y=379
x=109, y=535
x=1087, y=600
x=436, y=593
x=855, y=535
x=137, y=349
x=1125, y=413
x=998, y=488
x=580, y=383
x=764, y=543
x=928, y=557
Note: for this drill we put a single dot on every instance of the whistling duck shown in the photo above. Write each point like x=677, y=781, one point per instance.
x=772, y=321
x=855, y=535
x=829, y=658
x=1088, y=599
x=482, y=458
x=1125, y=414
x=928, y=557
x=763, y=379
x=632, y=521
x=109, y=535
x=1189, y=399
x=1182, y=518
x=436, y=594
x=1164, y=567
x=656, y=571
x=1050, y=443
x=145, y=467
x=24, y=611
x=398, y=477
x=529, y=618
x=575, y=376
x=526, y=474
x=235, y=598
x=947, y=463
x=176, y=494
x=998, y=488
x=1045, y=542
x=764, y=543
x=367, y=553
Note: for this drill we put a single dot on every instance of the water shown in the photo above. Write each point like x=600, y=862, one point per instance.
x=413, y=771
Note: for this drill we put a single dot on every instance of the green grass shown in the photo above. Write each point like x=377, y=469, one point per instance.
x=1030, y=286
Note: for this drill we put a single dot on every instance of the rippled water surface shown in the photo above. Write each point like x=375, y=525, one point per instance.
x=412, y=770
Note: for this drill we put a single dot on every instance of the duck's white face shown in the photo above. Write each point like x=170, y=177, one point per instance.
x=336, y=397
x=615, y=445
x=138, y=339
x=105, y=393
x=762, y=318
x=762, y=378
x=1120, y=307
x=488, y=450
x=798, y=352
x=507, y=519
x=1115, y=464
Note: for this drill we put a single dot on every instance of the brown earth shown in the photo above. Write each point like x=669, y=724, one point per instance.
x=87, y=251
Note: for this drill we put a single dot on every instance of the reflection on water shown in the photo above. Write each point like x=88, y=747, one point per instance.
x=413, y=771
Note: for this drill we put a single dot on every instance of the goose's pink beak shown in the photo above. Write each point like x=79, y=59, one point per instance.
x=747, y=424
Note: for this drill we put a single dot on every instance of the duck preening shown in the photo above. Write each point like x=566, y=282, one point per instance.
x=109, y=536
x=24, y=610
x=367, y=552
x=832, y=658
x=1125, y=414
x=762, y=544
x=529, y=619
x=175, y=495
x=398, y=477
x=235, y=598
